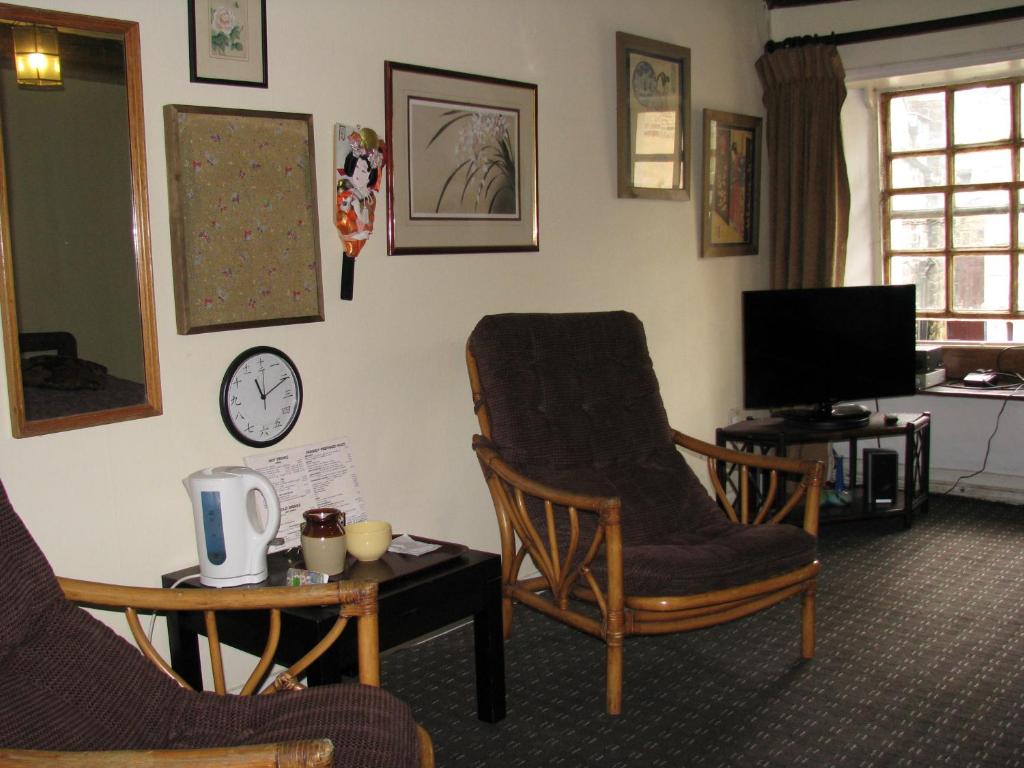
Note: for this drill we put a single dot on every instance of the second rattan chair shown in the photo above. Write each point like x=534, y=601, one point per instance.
x=588, y=480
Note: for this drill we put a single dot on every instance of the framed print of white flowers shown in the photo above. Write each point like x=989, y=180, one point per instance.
x=228, y=42
x=227, y=22
x=467, y=167
x=464, y=171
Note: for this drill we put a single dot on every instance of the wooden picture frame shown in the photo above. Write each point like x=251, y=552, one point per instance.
x=227, y=42
x=462, y=172
x=732, y=184
x=654, y=142
x=245, y=239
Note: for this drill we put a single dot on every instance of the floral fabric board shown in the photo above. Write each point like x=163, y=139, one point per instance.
x=248, y=241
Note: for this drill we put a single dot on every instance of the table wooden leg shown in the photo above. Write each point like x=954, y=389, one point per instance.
x=490, y=655
x=184, y=650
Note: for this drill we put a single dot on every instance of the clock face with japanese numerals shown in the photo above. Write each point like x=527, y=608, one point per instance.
x=261, y=396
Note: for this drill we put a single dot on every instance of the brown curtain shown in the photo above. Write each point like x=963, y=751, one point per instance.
x=809, y=193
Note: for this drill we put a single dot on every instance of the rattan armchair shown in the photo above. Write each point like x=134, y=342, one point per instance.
x=589, y=480
x=75, y=693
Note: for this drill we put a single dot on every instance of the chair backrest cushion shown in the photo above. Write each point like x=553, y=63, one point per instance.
x=573, y=400
x=568, y=389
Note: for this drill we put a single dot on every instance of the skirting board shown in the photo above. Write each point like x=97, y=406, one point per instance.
x=990, y=486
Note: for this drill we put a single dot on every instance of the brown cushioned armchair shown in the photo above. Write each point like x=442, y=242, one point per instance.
x=588, y=479
x=73, y=692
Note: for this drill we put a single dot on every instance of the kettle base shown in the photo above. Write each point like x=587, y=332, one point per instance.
x=232, y=581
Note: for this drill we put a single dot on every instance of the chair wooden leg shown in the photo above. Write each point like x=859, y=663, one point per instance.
x=426, y=747
x=615, y=618
x=614, y=677
x=807, y=619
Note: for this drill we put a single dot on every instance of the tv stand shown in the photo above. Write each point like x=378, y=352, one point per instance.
x=775, y=436
x=827, y=416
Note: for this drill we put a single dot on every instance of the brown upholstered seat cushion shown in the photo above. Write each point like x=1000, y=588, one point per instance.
x=71, y=683
x=574, y=402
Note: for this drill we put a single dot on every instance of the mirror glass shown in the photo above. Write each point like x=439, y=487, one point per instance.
x=79, y=328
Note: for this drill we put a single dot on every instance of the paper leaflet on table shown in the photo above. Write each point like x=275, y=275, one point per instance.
x=307, y=477
x=407, y=545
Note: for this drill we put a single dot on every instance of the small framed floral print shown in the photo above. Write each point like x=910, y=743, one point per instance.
x=228, y=42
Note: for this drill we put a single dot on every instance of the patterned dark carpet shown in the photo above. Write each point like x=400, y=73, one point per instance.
x=920, y=662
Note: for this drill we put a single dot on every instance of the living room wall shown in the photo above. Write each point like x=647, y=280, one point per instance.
x=387, y=369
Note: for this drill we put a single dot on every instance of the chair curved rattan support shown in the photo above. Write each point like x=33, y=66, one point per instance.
x=547, y=523
x=622, y=615
x=76, y=692
x=355, y=599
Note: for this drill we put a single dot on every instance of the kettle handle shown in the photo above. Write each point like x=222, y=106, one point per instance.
x=257, y=482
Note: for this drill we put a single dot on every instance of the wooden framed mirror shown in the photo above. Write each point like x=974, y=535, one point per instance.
x=75, y=262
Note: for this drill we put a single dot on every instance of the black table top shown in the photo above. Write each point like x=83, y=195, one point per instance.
x=775, y=428
x=388, y=571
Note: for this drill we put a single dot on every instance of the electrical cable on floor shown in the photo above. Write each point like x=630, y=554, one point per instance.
x=988, y=446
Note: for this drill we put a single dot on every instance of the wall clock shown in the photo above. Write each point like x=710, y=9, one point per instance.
x=260, y=396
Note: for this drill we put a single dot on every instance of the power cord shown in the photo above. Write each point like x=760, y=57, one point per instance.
x=988, y=446
x=1015, y=378
x=999, y=355
x=152, y=619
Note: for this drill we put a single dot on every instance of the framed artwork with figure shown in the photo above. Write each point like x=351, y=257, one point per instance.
x=462, y=172
x=732, y=182
x=655, y=147
x=228, y=42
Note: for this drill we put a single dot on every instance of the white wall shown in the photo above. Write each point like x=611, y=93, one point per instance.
x=961, y=426
x=387, y=369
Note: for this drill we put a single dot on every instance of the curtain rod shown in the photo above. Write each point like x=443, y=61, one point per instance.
x=900, y=30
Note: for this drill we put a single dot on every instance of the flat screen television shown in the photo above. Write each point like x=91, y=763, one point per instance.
x=807, y=351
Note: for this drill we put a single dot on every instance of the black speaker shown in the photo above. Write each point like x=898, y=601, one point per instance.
x=881, y=477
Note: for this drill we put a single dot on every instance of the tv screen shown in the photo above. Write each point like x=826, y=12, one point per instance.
x=819, y=347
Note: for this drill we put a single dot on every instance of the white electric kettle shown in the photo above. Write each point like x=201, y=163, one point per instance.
x=231, y=540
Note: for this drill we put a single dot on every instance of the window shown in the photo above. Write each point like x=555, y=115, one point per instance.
x=953, y=207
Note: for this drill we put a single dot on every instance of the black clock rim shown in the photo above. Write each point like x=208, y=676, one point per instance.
x=225, y=416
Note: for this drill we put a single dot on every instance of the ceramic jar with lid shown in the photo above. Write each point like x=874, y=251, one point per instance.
x=323, y=540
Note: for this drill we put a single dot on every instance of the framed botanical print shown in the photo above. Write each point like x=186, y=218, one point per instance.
x=462, y=175
x=732, y=183
x=655, y=147
x=228, y=42
x=245, y=241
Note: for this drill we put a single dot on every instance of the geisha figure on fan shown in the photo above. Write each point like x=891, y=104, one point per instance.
x=359, y=165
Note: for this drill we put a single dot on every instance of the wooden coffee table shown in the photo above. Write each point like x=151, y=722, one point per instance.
x=417, y=595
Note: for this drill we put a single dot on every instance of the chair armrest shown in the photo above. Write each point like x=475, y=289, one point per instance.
x=355, y=600
x=354, y=597
x=558, y=557
x=729, y=469
x=286, y=754
x=562, y=497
